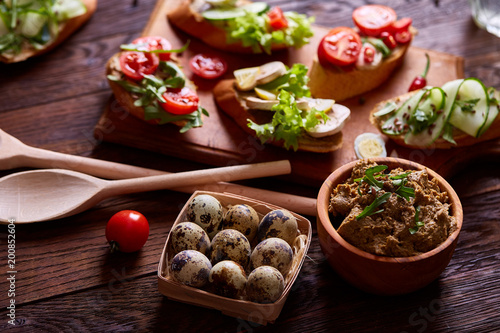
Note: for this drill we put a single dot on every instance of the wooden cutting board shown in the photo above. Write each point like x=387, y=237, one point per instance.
x=221, y=142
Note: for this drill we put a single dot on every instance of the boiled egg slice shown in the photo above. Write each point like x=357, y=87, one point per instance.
x=369, y=145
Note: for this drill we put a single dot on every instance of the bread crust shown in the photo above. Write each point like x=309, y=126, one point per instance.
x=125, y=98
x=331, y=82
x=65, y=30
x=462, y=139
x=230, y=100
x=191, y=22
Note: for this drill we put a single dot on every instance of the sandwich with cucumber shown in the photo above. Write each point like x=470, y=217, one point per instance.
x=241, y=26
x=32, y=27
x=460, y=113
x=273, y=103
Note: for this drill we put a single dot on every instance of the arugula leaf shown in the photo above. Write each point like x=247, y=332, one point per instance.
x=369, y=176
x=418, y=223
x=288, y=122
x=370, y=210
x=252, y=31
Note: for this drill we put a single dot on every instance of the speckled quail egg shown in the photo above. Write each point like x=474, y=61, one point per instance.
x=191, y=268
x=230, y=244
x=206, y=211
x=189, y=236
x=242, y=218
x=265, y=284
x=278, y=223
x=273, y=252
x=227, y=278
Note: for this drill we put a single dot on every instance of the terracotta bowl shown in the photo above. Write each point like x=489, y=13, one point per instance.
x=378, y=274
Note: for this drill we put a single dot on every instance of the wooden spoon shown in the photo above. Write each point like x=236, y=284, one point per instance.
x=40, y=195
x=16, y=154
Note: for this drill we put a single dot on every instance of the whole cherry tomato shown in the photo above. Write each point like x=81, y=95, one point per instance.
x=137, y=64
x=127, y=231
x=277, y=19
x=180, y=101
x=155, y=43
x=341, y=47
x=420, y=81
x=373, y=19
x=208, y=66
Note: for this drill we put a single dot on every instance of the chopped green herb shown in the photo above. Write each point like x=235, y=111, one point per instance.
x=467, y=106
x=370, y=210
x=418, y=223
x=369, y=177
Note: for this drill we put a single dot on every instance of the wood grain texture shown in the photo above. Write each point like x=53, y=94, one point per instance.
x=67, y=280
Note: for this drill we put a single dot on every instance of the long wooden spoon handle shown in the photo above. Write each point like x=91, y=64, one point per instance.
x=198, y=177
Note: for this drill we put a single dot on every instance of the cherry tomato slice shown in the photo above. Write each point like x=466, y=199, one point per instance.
x=127, y=231
x=402, y=24
x=208, y=66
x=373, y=19
x=137, y=64
x=155, y=43
x=277, y=19
x=341, y=47
x=180, y=101
x=402, y=37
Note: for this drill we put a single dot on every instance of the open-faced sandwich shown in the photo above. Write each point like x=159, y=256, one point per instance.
x=460, y=113
x=147, y=82
x=352, y=61
x=272, y=102
x=32, y=27
x=241, y=26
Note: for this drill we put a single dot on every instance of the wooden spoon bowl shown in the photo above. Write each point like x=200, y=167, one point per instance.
x=379, y=274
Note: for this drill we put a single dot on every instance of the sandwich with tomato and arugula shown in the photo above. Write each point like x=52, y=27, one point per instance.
x=147, y=82
x=32, y=27
x=241, y=26
x=352, y=61
x=273, y=103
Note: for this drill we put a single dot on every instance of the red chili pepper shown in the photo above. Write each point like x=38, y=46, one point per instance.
x=420, y=81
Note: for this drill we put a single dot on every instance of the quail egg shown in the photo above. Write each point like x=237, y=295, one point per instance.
x=273, y=252
x=265, y=285
x=368, y=145
x=242, y=218
x=278, y=223
x=206, y=211
x=228, y=279
x=230, y=244
x=191, y=267
x=189, y=236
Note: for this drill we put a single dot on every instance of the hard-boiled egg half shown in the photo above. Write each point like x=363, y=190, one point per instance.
x=368, y=145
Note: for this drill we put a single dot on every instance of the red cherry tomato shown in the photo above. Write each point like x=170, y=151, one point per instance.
x=208, y=66
x=127, y=231
x=137, y=64
x=341, y=47
x=180, y=101
x=402, y=37
x=373, y=19
x=402, y=24
x=155, y=43
x=277, y=19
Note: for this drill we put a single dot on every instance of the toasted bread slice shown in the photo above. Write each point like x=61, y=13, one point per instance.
x=338, y=84
x=231, y=101
x=125, y=98
x=65, y=30
x=187, y=17
x=462, y=139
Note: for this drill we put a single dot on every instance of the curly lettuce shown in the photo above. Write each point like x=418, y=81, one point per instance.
x=253, y=30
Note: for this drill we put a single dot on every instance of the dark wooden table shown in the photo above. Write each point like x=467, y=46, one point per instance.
x=68, y=281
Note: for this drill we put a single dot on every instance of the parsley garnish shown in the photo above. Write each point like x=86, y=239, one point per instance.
x=418, y=223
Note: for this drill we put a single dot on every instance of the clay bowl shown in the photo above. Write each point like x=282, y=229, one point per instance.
x=378, y=274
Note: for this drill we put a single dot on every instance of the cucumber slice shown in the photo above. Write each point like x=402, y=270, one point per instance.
x=431, y=108
x=218, y=3
x=395, y=124
x=222, y=14
x=493, y=112
x=31, y=23
x=67, y=9
x=470, y=121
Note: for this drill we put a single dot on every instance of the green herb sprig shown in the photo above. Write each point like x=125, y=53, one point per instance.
x=418, y=223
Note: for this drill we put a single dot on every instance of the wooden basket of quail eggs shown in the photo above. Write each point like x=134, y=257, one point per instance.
x=235, y=254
